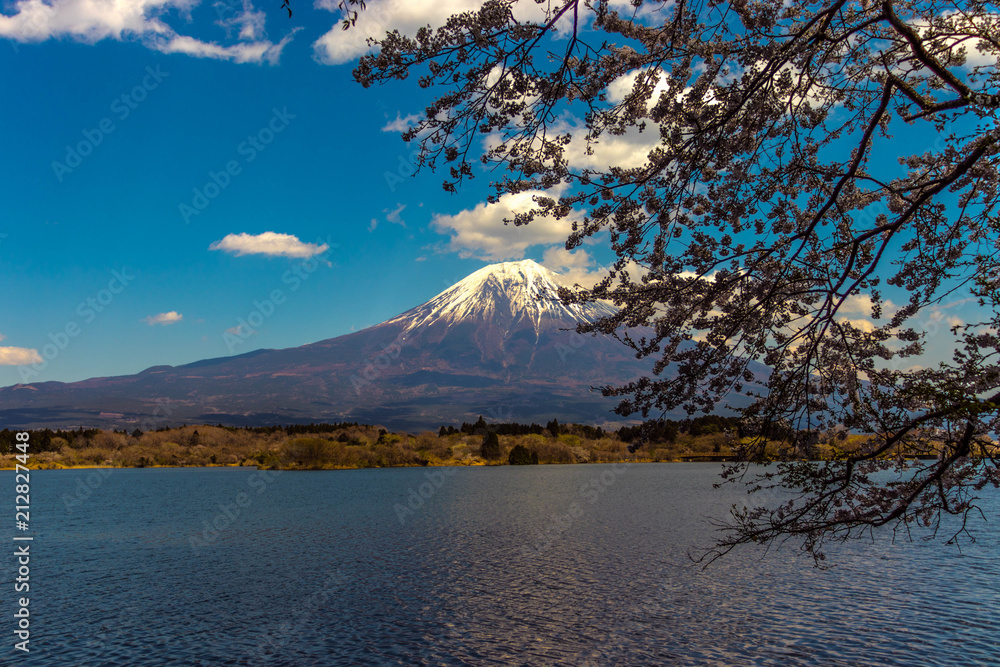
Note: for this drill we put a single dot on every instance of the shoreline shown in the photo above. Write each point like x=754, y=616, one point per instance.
x=449, y=464
x=350, y=446
x=474, y=464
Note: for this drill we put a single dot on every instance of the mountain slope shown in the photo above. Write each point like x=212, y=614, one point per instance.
x=512, y=294
x=498, y=343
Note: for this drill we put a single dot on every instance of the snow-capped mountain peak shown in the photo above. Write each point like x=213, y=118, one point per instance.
x=506, y=293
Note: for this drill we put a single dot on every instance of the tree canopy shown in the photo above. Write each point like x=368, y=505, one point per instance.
x=759, y=170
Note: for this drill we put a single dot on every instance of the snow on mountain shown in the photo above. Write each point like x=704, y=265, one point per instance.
x=497, y=343
x=512, y=294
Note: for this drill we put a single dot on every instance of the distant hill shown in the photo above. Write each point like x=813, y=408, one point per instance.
x=498, y=343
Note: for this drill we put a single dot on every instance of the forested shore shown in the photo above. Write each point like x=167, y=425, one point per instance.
x=354, y=445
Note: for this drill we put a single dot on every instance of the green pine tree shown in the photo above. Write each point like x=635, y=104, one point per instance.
x=490, y=448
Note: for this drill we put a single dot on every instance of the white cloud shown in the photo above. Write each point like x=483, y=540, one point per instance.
x=577, y=267
x=559, y=259
x=249, y=23
x=391, y=215
x=861, y=304
x=936, y=317
x=394, y=216
x=632, y=148
x=19, y=356
x=268, y=243
x=2, y=336
x=857, y=311
x=574, y=267
x=978, y=52
x=861, y=324
x=628, y=150
x=163, y=318
x=340, y=46
x=88, y=21
x=857, y=303
x=91, y=21
x=807, y=91
x=480, y=232
x=624, y=85
x=243, y=52
x=401, y=124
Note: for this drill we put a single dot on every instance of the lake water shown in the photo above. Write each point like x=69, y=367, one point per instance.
x=537, y=565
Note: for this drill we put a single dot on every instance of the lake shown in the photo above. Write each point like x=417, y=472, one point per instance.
x=533, y=565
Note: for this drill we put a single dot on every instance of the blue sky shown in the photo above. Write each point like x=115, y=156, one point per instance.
x=154, y=128
x=170, y=168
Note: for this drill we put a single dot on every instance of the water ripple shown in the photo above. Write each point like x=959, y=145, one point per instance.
x=548, y=565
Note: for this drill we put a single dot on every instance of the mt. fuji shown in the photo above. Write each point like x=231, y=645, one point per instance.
x=513, y=294
x=498, y=343
x=505, y=318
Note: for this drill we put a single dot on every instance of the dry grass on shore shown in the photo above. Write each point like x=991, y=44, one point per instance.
x=348, y=446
